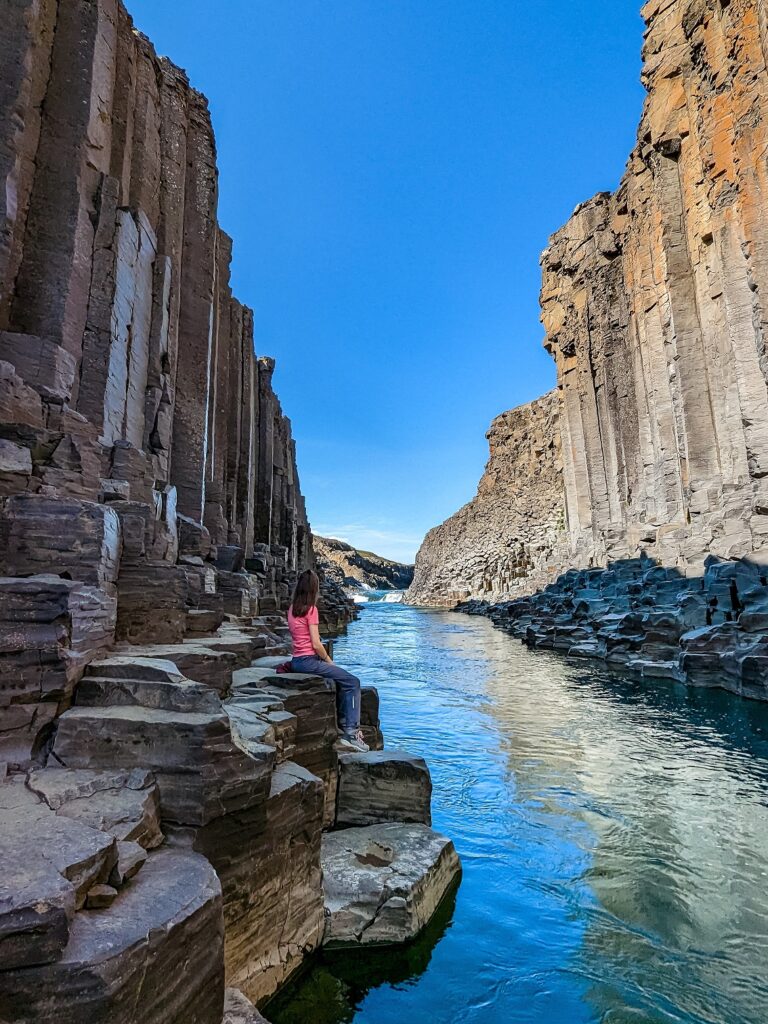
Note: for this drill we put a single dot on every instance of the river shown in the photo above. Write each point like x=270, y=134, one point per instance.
x=614, y=839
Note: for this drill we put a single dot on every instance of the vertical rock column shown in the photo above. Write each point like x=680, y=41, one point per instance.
x=25, y=55
x=653, y=305
x=196, y=314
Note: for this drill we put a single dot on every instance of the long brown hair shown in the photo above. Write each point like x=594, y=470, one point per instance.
x=305, y=594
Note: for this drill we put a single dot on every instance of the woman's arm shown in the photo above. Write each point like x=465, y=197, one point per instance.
x=317, y=643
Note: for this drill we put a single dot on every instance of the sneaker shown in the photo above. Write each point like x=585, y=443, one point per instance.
x=355, y=741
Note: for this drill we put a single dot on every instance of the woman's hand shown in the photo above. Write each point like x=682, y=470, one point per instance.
x=317, y=645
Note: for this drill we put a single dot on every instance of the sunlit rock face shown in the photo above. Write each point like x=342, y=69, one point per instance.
x=144, y=456
x=353, y=569
x=510, y=539
x=148, y=489
x=654, y=304
x=653, y=301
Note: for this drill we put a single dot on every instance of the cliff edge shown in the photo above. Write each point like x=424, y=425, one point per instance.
x=352, y=569
x=163, y=790
x=654, y=305
x=509, y=540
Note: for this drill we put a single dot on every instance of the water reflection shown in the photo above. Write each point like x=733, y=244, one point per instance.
x=335, y=986
x=614, y=837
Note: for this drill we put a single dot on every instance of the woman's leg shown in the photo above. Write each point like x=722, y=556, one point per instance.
x=347, y=689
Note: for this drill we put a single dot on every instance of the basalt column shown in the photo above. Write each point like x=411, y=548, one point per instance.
x=655, y=311
x=146, y=469
x=197, y=315
x=148, y=488
x=510, y=539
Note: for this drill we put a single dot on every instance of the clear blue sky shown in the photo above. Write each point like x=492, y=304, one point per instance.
x=390, y=172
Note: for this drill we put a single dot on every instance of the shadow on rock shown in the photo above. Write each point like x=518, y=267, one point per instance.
x=333, y=988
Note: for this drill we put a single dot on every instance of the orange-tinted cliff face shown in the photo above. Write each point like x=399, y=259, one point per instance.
x=655, y=304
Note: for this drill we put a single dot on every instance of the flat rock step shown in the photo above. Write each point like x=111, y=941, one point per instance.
x=182, y=697
x=196, y=660
x=239, y=1010
x=383, y=883
x=200, y=771
x=48, y=864
x=123, y=802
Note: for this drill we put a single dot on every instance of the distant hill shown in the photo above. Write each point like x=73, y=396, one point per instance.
x=356, y=570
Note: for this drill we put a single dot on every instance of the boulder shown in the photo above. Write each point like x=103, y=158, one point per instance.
x=100, y=896
x=383, y=883
x=383, y=785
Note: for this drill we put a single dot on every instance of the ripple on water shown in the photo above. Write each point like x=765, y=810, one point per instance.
x=614, y=840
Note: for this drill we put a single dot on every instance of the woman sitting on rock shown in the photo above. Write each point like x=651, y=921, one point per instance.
x=311, y=657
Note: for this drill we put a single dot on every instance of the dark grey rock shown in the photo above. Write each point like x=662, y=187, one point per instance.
x=380, y=786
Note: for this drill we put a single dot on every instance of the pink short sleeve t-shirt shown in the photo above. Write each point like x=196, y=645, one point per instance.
x=302, y=641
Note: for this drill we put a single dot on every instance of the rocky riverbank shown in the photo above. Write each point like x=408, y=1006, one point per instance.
x=351, y=569
x=653, y=302
x=167, y=799
x=647, y=619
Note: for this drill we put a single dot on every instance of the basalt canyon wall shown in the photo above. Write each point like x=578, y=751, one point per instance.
x=654, y=305
x=164, y=792
x=510, y=539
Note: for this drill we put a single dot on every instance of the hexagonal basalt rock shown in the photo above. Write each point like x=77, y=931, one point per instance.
x=158, y=947
x=200, y=771
x=383, y=883
x=383, y=785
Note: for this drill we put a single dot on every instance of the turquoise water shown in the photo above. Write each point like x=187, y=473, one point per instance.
x=614, y=840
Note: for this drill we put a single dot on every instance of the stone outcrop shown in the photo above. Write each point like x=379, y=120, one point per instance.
x=379, y=786
x=163, y=791
x=653, y=301
x=653, y=622
x=354, y=570
x=145, y=461
x=510, y=539
x=384, y=882
x=654, y=304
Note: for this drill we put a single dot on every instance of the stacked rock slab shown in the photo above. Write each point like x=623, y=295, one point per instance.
x=151, y=527
x=510, y=539
x=144, y=457
x=653, y=622
x=385, y=871
x=654, y=304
